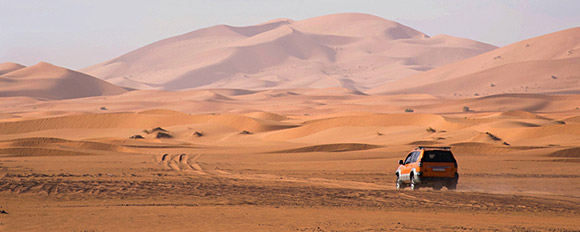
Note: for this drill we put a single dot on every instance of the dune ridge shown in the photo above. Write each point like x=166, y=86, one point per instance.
x=46, y=81
x=138, y=121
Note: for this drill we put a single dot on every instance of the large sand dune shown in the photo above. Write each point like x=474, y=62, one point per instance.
x=46, y=81
x=545, y=64
x=354, y=51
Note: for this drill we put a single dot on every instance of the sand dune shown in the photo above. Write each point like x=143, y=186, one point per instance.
x=339, y=147
x=57, y=143
x=372, y=121
x=46, y=81
x=9, y=67
x=575, y=119
x=267, y=116
x=141, y=121
x=161, y=112
x=47, y=146
x=522, y=114
x=361, y=25
x=37, y=151
x=570, y=153
x=545, y=64
x=480, y=148
x=354, y=51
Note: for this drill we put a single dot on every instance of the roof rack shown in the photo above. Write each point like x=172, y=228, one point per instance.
x=428, y=147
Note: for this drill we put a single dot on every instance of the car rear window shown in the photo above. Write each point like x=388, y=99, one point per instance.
x=438, y=156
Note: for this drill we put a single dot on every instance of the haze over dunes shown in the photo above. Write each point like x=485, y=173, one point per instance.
x=46, y=81
x=354, y=51
x=545, y=64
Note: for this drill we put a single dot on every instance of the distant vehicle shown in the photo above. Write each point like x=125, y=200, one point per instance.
x=428, y=167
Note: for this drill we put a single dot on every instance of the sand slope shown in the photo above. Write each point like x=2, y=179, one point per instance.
x=46, y=81
x=140, y=121
x=354, y=51
x=9, y=67
x=548, y=63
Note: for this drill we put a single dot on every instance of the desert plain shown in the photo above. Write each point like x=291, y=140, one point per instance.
x=295, y=157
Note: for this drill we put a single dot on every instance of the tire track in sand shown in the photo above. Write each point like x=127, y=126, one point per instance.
x=189, y=164
x=182, y=163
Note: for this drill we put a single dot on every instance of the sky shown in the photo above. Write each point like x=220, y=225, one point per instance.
x=79, y=33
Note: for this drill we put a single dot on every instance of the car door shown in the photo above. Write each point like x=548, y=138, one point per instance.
x=405, y=169
x=413, y=164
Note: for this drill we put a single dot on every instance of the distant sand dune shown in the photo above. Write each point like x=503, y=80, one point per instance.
x=139, y=121
x=575, y=119
x=36, y=151
x=570, y=153
x=46, y=81
x=424, y=143
x=544, y=64
x=480, y=148
x=371, y=120
x=523, y=114
x=339, y=147
x=267, y=116
x=58, y=143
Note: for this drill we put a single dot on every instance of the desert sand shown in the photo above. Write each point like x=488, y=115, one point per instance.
x=285, y=160
x=287, y=126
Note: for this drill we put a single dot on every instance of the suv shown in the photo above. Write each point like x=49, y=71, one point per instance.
x=428, y=167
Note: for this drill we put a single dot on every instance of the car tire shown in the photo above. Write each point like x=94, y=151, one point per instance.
x=452, y=186
x=399, y=184
x=412, y=184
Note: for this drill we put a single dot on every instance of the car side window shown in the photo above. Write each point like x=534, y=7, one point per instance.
x=409, y=157
x=415, y=156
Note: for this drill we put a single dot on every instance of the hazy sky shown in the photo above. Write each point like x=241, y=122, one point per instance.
x=79, y=33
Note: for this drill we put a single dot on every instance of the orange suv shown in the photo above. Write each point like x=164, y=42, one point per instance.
x=428, y=167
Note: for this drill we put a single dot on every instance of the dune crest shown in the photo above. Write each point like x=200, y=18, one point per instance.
x=46, y=81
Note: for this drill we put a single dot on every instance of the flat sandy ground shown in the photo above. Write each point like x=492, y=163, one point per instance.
x=296, y=160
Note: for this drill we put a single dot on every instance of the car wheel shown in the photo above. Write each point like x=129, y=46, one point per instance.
x=400, y=184
x=452, y=186
x=413, y=185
